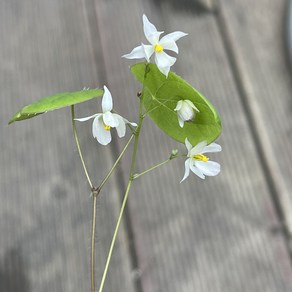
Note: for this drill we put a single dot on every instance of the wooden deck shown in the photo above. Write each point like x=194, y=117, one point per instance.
x=228, y=233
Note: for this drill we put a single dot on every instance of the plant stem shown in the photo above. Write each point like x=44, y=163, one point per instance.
x=115, y=236
x=137, y=134
x=136, y=175
x=115, y=164
x=78, y=147
x=151, y=168
x=94, y=197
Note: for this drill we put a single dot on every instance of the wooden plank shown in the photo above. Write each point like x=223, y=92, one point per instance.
x=212, y=235
x=45, y=210
x=266, y=82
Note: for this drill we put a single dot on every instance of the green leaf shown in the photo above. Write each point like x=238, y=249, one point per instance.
x=53, y=102
x=160, y=96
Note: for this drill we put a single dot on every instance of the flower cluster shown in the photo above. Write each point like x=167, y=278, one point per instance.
x=197, y=161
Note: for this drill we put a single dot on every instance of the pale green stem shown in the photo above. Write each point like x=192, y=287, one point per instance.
x=151, y=168
x=136, y=175
x=115, y=236
x=94, y=197
x=137, y=134
x=78, y=147
x=115, y=164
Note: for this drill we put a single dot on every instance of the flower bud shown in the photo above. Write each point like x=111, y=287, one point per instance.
x=186, y=111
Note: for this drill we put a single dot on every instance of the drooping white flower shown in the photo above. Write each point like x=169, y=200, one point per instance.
x=198, y=163
x=162, y=60
x=186, y=111
x=103, y=122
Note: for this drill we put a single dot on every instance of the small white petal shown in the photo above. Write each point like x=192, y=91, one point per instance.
x=121, y=128
x=198, y=148
x=137, y=53
x=180, y=121
x=187, y=169
x=178, y=105
x=150, y=31
x=164, y=70
x=110, y=119
x=103, y=136
x=213, y=147
x=107, y=100
x=171, y=45
x=197, y=171
x=191, y=105
x=210, y=168
x=188, y=144
x=164, y=62
x=131, y=123
x=174, y=36
x=148, y=51
x=87, y=118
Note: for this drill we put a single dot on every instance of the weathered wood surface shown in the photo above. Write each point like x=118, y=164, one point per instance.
x=213, y=235
x=258, y=41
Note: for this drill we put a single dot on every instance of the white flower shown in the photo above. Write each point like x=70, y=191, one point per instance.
x=198, y=163
x=106, y=120
x=162, y=60
x=185, y=111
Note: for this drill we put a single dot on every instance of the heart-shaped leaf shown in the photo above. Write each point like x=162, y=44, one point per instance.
x=53, y=102
x=160, y=97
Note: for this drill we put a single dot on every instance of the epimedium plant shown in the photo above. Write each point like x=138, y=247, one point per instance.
x=176, y=107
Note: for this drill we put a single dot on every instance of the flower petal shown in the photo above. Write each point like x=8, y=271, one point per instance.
x=188, y=144
x=103, y=136
x=187, y=169
x=171, y=45
x=148, y=51
x=210, y=168
x=191, y=105
x=213, y=147
x=121, y=128
x=137, y=53
x=178, y=105
x=173, y=37
x=180, y=121
x=197, y=171
x=198, y=148
x=87, y=118
x=150, y=31
x=164, y=60
x=110, y=119
x=107, y=100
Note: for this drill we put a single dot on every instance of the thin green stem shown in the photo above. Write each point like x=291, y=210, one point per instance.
x=136, y=175
x=137, y=134
x=78, y=147
x=115, y=236
x=94, y=197
x=115, y=164
x=151, y=168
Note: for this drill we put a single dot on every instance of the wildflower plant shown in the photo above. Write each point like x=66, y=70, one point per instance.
x=175, y=106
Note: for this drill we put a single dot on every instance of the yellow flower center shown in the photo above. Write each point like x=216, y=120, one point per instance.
x=201, y=157
x=158, y=48
x=106, y=127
